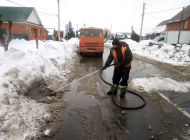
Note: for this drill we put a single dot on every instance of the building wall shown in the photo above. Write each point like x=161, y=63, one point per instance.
x=33, y=30
x=172, y=37
x=27, y=31
x=187, y=24
x=177, y=25
x=174, y=26
x=16, y=28
x=173, y=32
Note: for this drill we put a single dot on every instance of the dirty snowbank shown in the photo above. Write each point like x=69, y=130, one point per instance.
x=20, y=66
x=159, y=84
x=166, y=53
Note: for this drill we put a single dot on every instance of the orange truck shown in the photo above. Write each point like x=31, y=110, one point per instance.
x=91, y=41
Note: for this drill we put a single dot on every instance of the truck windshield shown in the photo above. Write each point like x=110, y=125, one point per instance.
x=90, y=33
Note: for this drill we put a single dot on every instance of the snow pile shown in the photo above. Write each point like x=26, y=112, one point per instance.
x=159, y=84
x=20, y=66
x=146, y=42
x=163, y=52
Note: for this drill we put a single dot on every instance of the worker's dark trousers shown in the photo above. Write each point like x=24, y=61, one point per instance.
x=121, y=76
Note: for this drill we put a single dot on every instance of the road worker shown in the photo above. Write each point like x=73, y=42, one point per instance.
x=122, y=56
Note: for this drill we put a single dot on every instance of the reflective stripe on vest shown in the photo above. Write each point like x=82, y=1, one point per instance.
x=123, y=50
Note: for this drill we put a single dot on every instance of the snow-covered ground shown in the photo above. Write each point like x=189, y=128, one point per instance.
x=163, y=52
x=23, y=64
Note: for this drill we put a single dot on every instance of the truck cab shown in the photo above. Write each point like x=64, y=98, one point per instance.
x=91, y=41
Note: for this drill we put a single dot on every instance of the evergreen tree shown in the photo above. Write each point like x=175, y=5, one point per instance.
x=69, y=31
x=107, y=34
x=134, y=35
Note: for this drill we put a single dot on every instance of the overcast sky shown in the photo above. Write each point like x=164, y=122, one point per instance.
x=118, y=15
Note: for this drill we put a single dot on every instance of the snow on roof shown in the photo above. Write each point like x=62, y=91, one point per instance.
x=157, y=29
x=186, y=14
x=20, y=14
x=177, y=17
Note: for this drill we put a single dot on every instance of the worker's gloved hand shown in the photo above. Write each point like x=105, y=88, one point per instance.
x=104, y=67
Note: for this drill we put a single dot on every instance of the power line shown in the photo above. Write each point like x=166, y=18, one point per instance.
x=164, y=11
x=41, y=9
x=36, y=10
x=137, y=18
x=35, y=5
x=156, y=17
x=46, y=13
x=15, y=3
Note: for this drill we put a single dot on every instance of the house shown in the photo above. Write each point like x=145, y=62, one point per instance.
x=178, y=28
x=158, y=31
x=50, y=33
x=26, y=23
x=55, y=35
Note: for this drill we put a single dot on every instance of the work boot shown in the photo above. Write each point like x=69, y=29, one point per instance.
x=123, y=91
x=113, y=91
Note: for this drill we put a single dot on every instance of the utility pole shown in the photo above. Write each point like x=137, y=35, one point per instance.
x=181, y=26
x=142, y=22
x=58, y=20
x=110, y=27
x=110, y=36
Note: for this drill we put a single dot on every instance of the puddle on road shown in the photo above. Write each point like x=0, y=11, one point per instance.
x=79, y=99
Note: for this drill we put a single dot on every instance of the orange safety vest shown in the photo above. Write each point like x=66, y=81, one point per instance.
x=123, y=50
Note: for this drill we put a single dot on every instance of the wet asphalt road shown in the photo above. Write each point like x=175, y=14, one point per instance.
x=90, y=114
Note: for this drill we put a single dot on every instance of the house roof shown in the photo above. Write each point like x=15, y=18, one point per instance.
x=19, y=14
x=177, y=17
x=163, y=22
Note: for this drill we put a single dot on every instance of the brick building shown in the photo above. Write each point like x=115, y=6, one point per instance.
x=26, y=22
